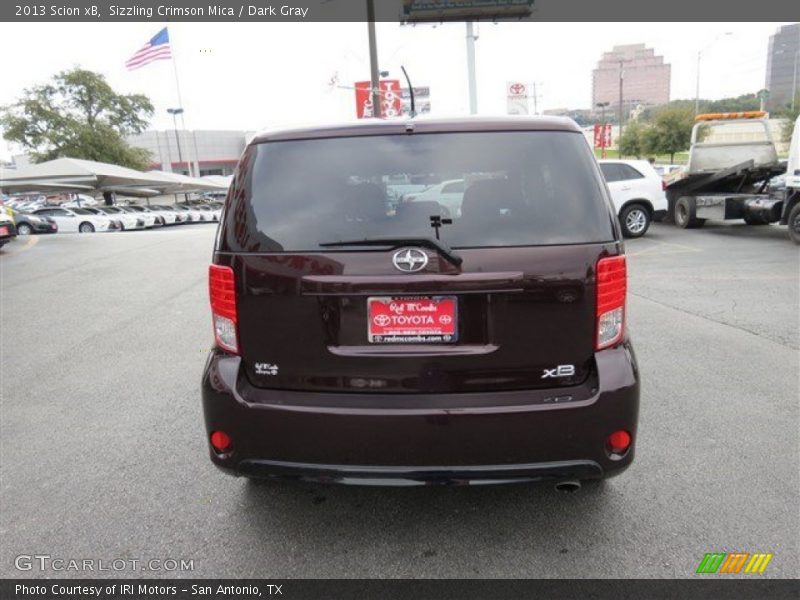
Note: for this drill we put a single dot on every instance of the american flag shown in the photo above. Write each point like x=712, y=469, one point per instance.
x=156, y=49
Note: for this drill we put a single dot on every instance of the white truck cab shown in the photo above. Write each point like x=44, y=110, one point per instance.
x=792, y=200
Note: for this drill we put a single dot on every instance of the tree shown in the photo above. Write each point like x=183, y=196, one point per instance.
x=78, y=115
x=632, y=141
x=790, y=114
x=670, y=133
x=735, y=104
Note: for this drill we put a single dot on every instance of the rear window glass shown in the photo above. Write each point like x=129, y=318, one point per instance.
x=611, y=172
x=629, y=172
x=511, y=189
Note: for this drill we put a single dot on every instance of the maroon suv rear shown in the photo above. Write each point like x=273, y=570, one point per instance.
x=368, y=335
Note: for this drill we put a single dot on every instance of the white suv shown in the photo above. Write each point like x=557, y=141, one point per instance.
x=638, y=194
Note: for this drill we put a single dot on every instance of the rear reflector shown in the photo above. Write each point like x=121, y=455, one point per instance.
x=612, y=283
x=222, y=291
x=220, y=441
x=619, y=441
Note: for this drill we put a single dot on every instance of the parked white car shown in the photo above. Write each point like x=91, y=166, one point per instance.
x=637, y=191
x=170, y=216
x=82, y=201
x=77, y=220
x=126, y=220
x=667, y=170
x=211, y=211
x=195, y=216
x=449, y=194
x=151, y=219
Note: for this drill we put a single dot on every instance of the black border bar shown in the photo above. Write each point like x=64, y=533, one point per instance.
x=706, y=587
x=159, y=11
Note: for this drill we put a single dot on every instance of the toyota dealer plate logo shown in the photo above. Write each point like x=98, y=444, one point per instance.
x=412, y=320
x=410, y=260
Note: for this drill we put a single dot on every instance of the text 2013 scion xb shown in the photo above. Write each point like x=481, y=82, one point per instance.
x=366, y=334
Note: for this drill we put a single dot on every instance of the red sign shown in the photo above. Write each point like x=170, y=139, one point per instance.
x=391, y=102
x=412, y=320
x=602, y=135
x=516, y=89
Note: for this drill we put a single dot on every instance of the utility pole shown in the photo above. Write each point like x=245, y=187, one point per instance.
x=373, y=61
x=473, y=86
x=621, y=112
x=535, y=85
x=697, y=82
x=697, y=85
x=794, y=76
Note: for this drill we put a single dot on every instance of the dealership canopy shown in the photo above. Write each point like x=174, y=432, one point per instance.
x=222, y=181
x=74, y=174
x=184, y=183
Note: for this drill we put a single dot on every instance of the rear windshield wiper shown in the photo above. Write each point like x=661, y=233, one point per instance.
x=425, y=242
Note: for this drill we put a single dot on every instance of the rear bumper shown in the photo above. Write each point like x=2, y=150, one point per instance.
x=658, y=215
x=407, y=476
x=371, y=439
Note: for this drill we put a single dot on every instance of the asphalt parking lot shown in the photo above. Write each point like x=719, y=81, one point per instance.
x=103, y=452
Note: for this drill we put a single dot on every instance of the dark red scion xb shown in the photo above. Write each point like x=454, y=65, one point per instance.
x=419, y=302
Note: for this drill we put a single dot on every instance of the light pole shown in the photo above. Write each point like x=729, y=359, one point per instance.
x=602, y=106
x=794, y=75
x=621, y=109
x=471, y=79
x=175, y=112
x=373, y=61
x=699, y=56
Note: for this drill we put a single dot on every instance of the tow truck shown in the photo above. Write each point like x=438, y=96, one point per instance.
x=732, y=159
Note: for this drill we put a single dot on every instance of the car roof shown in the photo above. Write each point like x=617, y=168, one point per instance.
x=367, y=127
x=642, y=166
x=624, y=161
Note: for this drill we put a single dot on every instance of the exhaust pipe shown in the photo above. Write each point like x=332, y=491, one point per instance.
x=569, y=486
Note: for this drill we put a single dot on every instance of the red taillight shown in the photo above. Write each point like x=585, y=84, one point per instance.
x=220, y=441
x=619, y=441
x=663, y=186
x=222, y=291
x=612, y=283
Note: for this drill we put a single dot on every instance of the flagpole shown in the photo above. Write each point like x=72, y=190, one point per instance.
x=180, y=105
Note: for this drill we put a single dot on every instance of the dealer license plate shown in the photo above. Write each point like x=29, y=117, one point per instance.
x=412, y=320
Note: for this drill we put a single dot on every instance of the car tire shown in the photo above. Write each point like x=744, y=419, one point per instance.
x=793, y=221
x=685, y=214
x=24, y=229
x=634, y=220
x=86, y=227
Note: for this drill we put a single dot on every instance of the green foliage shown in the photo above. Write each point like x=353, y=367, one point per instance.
x=78, y=115
x=790, y=114
x=670, y=132
x=736, y=104
x=632, y=141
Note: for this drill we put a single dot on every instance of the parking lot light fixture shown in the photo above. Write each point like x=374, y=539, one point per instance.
x=699, y=56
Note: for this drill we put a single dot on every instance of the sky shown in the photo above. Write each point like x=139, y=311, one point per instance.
x=255, y=76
